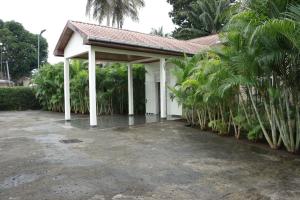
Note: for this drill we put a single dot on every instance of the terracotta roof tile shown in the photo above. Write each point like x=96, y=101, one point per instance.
x=207, y=40
x=127, y=37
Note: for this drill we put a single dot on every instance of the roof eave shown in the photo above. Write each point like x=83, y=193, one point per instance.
x=70, y=29
x=111, y=44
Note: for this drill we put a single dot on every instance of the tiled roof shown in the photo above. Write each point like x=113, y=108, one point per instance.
x=97, y=33
x=207, y=40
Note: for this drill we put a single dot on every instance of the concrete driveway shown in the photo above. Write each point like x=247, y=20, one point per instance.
x=155, y=161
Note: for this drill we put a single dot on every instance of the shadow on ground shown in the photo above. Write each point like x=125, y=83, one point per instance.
x=162, y=160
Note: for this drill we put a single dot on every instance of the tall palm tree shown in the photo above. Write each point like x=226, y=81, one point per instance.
x=265, y=54
x=114, y=11
x=99, y=9
x=252, y=82
x=207, y=17
x=159, y=31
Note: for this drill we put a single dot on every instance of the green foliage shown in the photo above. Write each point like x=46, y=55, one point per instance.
x=50, y=88
x=179, y=16
x=218, y=125
x=115, y=11
x=111, y=86
x=21, y=48
x=255, y=133
x=250, y=83
x=197, y=18
x=178, y=12
x=18, y=98
x=159, y=32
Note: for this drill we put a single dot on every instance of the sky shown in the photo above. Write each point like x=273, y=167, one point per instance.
x=52, y=15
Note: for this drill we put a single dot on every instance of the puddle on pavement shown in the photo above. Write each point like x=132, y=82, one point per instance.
x=57, y=152
x=70, y=141
x=113, y=121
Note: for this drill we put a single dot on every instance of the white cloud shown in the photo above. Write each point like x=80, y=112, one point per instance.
x=52, y=15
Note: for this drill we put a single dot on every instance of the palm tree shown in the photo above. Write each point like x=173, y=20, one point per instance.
x=207, y=17
x=114, y=11
x=264, y=55
x=126, y=8
x=159, y=31
x=184, y=89
x=279, y=49
x=99, y=9
x=252, y=81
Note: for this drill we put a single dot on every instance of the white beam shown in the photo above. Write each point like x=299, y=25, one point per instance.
x=163, y=94
x=67, y=89
x=128, y=52
x=77, y=56
x=130, y=90
x=92, y=87
x=144, y=60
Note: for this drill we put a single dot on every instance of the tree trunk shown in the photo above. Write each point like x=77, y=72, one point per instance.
x=260, y=121
x=108, y=18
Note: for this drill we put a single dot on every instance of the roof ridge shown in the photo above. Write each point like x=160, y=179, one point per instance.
x=88, y=23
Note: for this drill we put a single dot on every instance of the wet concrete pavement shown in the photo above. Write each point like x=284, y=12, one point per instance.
x=162, y=160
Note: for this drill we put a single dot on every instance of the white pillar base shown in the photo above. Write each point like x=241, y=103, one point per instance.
x=131, y=120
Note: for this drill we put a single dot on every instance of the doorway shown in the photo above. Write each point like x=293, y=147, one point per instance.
x=158, y=97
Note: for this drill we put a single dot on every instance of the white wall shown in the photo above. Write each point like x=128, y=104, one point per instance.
x=151, y=93
x=75, y=46
x=151, y=79
x=173, y=108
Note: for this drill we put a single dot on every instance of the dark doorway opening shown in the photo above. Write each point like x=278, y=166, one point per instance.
x=158, y=96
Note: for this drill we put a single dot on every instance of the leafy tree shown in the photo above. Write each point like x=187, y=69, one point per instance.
x=1, y=23
x=208, y=17
x=197, y=18
x=179, y=11
x=20, y=49
x=114, y=11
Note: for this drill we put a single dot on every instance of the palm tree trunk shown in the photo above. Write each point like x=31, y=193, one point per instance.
x=108, y=18
x=244, y=109
x=290, y=126
x=260, y=120
x=236, y=129
x=271, y=119
x=297, y=127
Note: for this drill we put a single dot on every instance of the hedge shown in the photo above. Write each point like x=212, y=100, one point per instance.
x=18, y=98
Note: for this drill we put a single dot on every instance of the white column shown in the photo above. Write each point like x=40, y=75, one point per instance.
x=130, y=90
x=131, y=120
x=163, y=94
x=67, y=89
x=92, y=87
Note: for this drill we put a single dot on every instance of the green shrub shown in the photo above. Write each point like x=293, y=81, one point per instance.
x=111, y=86
x=18, y=98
